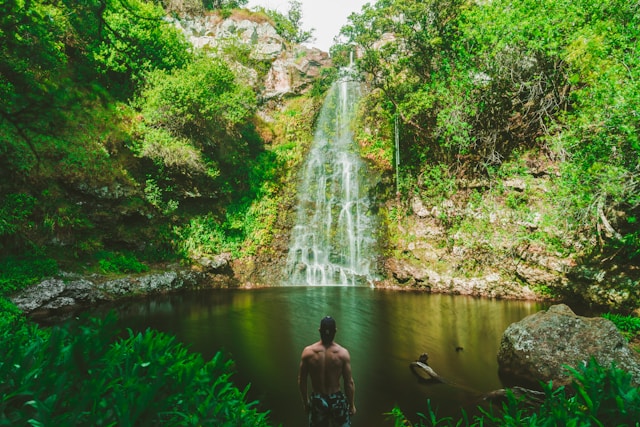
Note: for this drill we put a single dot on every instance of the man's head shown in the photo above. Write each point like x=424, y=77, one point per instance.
x=327, y=330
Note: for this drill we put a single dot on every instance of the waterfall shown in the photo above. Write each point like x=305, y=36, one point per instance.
x=334, y=238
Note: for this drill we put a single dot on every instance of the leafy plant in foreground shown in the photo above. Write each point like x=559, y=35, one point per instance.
x=83, y=375
x=597, y=396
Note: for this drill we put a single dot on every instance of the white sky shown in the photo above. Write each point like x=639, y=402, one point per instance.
x=326, y=16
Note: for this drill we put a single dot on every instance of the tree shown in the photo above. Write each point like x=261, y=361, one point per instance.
x=63, y=65
x=223, y=4
x=475, y=82
x=194, y=121
x=290, y=26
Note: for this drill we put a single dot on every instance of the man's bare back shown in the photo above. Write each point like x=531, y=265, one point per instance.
x=325, y=366
x=326, y=362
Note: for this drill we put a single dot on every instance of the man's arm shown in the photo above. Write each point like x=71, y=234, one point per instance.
x=349, y=384
x=303, y=373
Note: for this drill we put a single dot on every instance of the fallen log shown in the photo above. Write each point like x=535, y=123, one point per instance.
x=531, y=396
x=423, y=371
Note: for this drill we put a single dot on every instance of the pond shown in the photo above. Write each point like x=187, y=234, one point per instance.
x=265, y=330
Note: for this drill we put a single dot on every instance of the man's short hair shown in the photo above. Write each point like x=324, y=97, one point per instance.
x=327, y=329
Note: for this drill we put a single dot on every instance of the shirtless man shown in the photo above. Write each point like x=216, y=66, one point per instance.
x=325, y=362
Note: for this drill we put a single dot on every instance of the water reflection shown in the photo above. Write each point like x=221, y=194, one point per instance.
x=265, y=330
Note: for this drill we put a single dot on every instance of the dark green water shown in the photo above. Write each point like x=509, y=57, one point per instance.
x=265, y=330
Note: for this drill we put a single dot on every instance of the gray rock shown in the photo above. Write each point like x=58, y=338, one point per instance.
x=60, y=303
x=217, y=263
x=55, y=293
x=537, y=348
x=147, y=284
x=419, y=208
x=73, y=292
x=38, y=295
x=293, y=68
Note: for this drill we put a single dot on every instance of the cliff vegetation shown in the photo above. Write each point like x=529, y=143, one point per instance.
x=517, y=138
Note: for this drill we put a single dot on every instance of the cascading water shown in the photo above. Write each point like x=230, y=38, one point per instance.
x=334, y=239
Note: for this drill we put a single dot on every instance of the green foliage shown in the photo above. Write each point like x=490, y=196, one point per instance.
x=194, y=127
x=111, y=262
x=208, y=235
x=235, y=49
x=15, y=213
x=154, y=195
x=135, y=40
x=476, y=83
x=248, y=223
x=32, y=53
x=84, y=375
x=375, y=134
x=429, y=419
x=9, y=312
x=61, y=132
x=322, y=84
x=223, y=4
x=437, y=182
x=289, y=26
x=598, y=396
x=18, y=273
x=629, y=326
x=69, y=184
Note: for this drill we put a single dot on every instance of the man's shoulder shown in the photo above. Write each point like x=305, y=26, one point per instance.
x=342, y=351
x=312, y=348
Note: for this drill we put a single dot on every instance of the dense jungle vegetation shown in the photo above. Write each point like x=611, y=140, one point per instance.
x=122, y=147
x=482, y=85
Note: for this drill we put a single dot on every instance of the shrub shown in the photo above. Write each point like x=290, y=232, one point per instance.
x=629, y=326
x=18, y=273
x=597, y=396
x=82, y=375
x=114, y=262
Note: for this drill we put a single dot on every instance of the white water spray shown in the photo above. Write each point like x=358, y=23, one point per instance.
x=333, y=241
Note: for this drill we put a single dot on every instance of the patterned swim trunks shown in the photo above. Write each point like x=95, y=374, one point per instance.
x=329, y=410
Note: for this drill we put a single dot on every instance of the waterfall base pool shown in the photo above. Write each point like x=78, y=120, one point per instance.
x=265, y=330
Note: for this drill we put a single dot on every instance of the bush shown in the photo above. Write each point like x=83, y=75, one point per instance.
x=81, y=375
x=113, y=262
x=18, y=273
x=597, y=396
x=629, y=326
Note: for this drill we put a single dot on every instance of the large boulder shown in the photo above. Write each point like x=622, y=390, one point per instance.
x=538, y=348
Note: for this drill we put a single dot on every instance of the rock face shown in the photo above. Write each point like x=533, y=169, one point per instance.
x=292, y=68
x=421, y=277
x=70, y=292
x=536, y=348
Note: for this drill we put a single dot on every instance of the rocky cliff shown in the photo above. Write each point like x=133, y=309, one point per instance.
x=290, y=68
x=499, y=239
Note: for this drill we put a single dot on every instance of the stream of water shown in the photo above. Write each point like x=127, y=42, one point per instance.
x=333, y=241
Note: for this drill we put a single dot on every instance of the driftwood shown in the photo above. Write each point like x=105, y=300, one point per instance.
x=531, y=396
x=425, y=373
